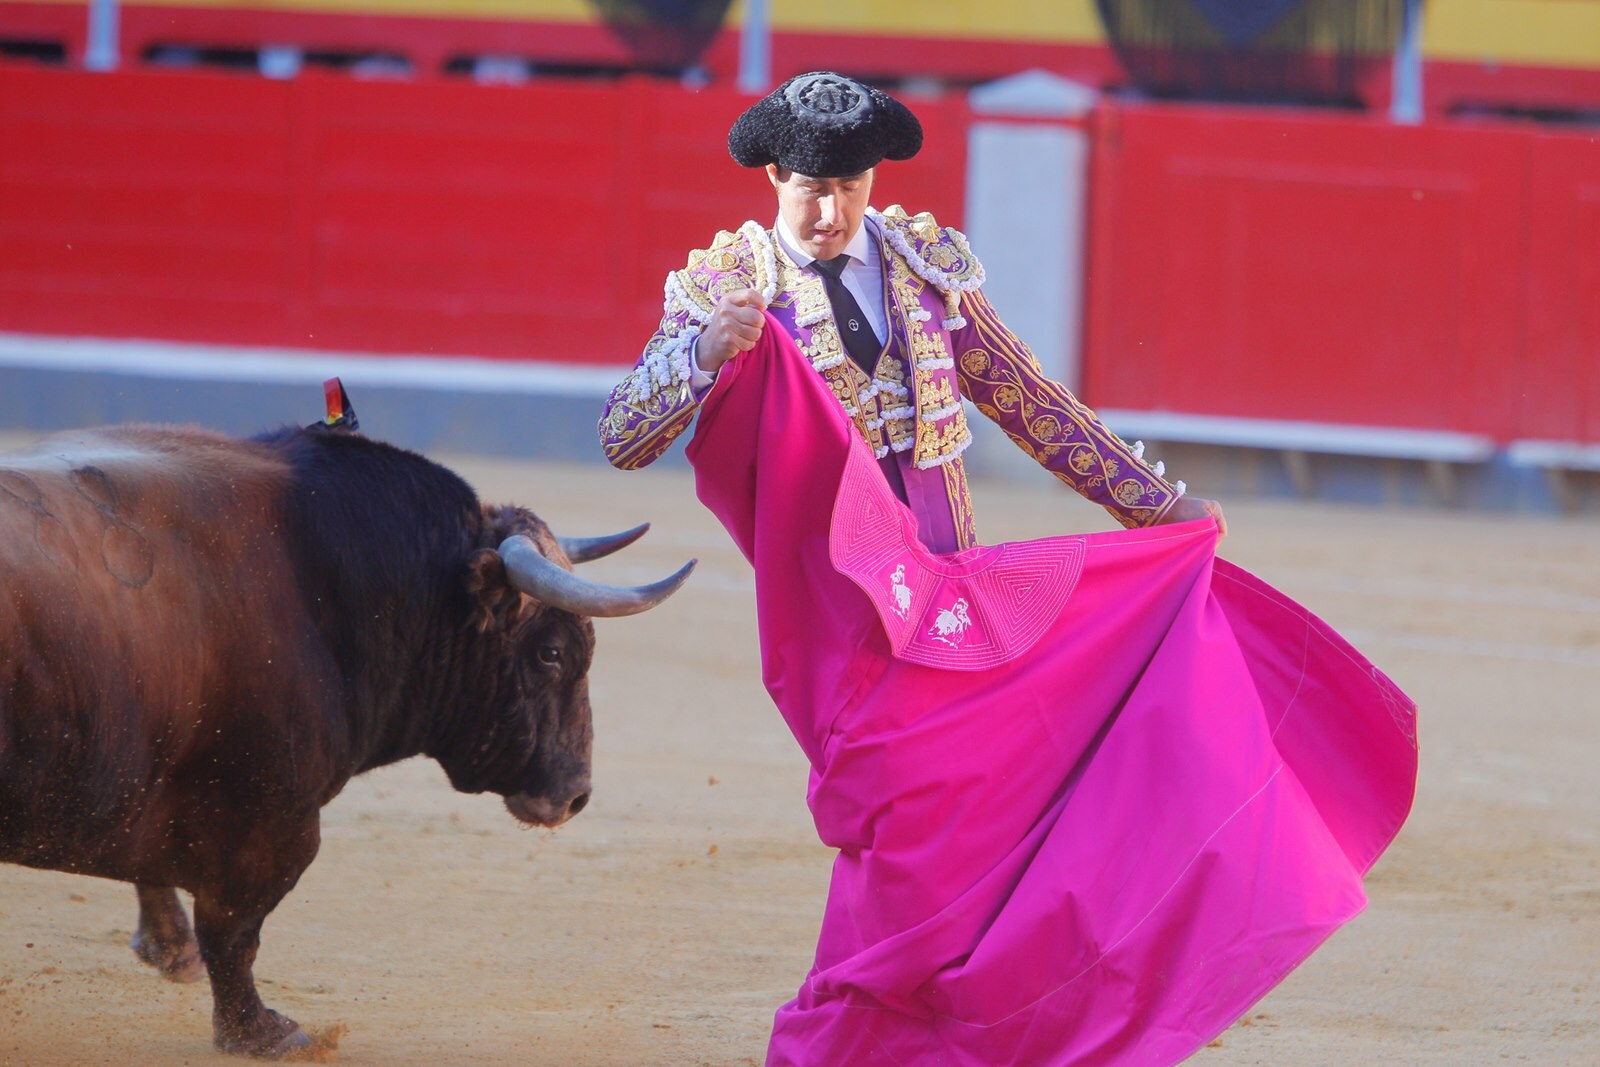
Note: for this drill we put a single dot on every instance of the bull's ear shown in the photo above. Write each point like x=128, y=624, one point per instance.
x=489, y=590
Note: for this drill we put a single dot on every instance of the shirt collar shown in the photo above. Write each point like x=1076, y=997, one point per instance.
x=860, y=247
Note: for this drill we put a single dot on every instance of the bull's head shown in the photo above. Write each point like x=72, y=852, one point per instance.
x=534, y=612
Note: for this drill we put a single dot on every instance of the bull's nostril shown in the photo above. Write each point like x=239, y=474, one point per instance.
x=579, y=802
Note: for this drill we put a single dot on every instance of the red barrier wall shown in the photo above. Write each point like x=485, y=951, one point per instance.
x=1559, y=379
x=327, y=212
x=1294, y=266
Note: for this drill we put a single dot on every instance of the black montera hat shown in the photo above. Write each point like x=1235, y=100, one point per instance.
x=824, y=125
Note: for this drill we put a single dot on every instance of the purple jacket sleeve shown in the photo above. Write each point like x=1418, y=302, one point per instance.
x=1001, y=376
x=656, y=403
x=653, y=405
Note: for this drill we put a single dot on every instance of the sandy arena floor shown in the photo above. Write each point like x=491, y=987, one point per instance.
x=664, y=925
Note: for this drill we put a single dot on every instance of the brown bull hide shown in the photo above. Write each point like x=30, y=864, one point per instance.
x=202, y=639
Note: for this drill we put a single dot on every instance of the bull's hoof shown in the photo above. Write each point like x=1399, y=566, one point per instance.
x=177, y=963
x=275, y=1037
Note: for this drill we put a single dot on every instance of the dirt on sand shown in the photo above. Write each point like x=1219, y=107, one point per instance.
x=664, y=924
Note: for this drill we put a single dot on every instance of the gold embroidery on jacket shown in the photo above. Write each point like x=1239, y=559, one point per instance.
x=936, y=440
x=656, y=423
x=938, y=394
x=943, y=250
x=894, y=399
x=955, y=488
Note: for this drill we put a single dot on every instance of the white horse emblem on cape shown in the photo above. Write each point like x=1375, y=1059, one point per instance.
x=901, y=591
x=950, y=626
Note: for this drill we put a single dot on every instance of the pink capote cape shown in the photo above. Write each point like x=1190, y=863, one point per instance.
x=1093, y=795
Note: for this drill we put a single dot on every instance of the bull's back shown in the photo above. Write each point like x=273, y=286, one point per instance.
x=128, y=523
x=141, y=565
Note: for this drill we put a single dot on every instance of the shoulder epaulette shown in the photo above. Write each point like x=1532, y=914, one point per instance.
x=735, y=260
x=940, y=255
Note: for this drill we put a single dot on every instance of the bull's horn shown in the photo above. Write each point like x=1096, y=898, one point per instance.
x=584, y=549
x=530, y=572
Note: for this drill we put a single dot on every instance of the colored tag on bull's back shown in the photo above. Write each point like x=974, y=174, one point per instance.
x=341, y=414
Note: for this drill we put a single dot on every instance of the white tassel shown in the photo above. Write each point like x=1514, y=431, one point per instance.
x=919, y=314
x=956, y=323
x=677, y=301
x=944, y=363
x=1160, y=469
x=669, y=363
x=757, y=236
x=943, y=413
x=903, y=444
x=829, y=363
x=811, y=318
x=880, y=451
x=874, y=424
x=1138, y=450
x=903, y=412
x=1181, y=488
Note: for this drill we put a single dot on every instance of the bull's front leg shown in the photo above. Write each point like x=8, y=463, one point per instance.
x=228, y=920
x=240, y=1022
x=164, y=939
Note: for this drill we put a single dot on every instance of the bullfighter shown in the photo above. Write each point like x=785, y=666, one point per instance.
x=1091, y=795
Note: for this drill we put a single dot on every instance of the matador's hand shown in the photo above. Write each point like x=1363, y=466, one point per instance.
x=735, y=327
x=1186, y=508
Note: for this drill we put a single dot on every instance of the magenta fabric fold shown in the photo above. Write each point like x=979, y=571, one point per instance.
x=1092, y=795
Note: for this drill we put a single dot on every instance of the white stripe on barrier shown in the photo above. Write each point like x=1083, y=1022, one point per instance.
x=1572, y=455
x=196, y=362
x=1173, y=427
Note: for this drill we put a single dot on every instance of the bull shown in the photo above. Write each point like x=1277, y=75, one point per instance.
x=203, y=638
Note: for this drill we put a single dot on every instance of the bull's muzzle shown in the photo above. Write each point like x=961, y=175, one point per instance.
x=548, y=811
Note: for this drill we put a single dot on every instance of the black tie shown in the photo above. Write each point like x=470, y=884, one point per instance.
x=854, y=330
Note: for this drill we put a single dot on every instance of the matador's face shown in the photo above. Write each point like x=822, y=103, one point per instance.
x=822, y=213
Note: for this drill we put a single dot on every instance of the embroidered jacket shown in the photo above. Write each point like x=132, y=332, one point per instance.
x=946, y=343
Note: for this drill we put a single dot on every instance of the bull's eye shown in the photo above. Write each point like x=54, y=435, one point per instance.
x=549, y=655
